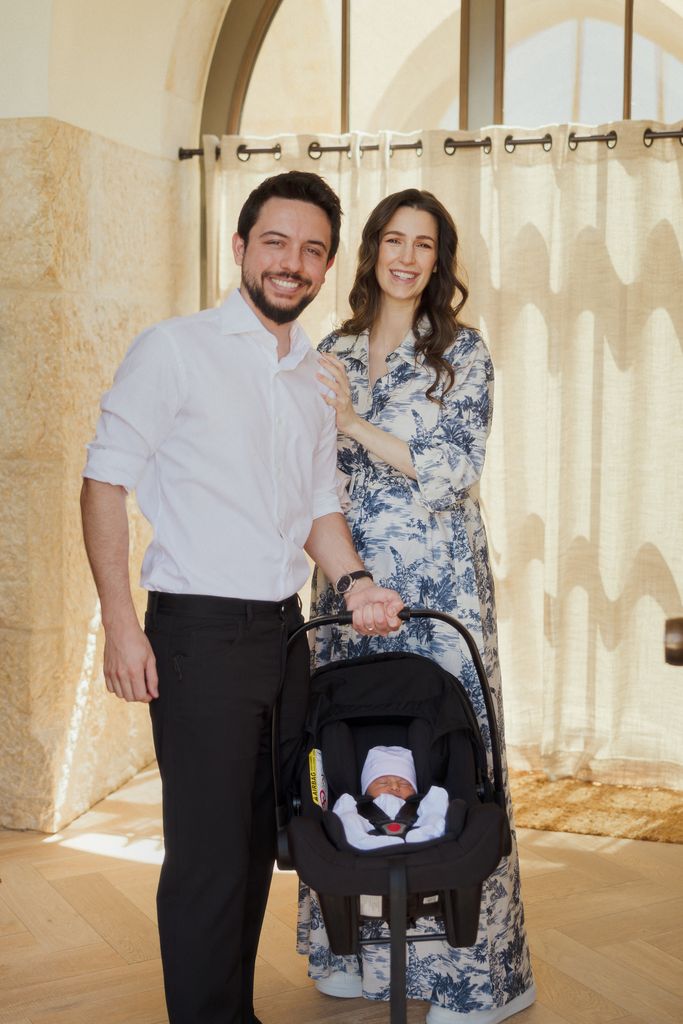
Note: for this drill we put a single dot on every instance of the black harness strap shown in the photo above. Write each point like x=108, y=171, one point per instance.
x=383, y=824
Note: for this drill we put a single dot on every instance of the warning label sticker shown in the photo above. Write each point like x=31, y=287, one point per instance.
x=317, y=777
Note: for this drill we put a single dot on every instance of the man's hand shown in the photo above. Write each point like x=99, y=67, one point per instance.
x=130, y=669
x=375, y=609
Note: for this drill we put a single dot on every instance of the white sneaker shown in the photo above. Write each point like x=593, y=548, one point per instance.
x=440, y=1015
x=341, y=985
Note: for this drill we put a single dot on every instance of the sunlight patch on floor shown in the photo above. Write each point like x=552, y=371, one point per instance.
x=142, y=851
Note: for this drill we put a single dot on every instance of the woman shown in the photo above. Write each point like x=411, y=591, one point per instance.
x=411, y=387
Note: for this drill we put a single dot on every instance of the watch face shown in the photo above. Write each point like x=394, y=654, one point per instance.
x=344, y=584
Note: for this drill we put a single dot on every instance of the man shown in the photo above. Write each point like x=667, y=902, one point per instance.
x=218, y=423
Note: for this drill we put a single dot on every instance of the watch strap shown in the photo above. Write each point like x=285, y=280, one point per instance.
x=357, y=574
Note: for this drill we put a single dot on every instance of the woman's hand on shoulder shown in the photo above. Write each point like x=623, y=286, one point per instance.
x=338, y=394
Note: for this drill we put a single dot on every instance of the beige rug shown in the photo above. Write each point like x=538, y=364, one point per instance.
x=568, y=805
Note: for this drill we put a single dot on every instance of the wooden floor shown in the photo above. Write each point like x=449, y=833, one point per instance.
x=78, y=942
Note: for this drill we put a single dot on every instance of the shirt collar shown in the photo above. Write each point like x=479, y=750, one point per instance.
x=237, y=317
x=405, y=351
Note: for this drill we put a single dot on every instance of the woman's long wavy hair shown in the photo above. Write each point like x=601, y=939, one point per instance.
x=440, y=302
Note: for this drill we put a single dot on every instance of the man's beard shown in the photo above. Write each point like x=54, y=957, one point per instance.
x=278, y=314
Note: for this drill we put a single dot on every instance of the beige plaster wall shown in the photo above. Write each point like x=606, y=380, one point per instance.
x=25, y=50
x=133, y=72
x=100, y=240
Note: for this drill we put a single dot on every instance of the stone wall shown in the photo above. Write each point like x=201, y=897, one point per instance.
x=99, y=240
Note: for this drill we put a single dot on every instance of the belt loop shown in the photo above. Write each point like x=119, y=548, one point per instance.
x=249, y=612
x=152, y=605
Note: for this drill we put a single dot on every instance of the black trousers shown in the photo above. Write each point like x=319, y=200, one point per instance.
x=221, y=664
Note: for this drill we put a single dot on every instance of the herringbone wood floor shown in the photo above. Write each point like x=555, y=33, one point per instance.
x=78, y=941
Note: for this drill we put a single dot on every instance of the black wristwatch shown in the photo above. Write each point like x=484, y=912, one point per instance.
x=346, y=582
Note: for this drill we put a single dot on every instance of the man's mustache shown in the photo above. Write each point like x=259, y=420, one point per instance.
x=291, y=277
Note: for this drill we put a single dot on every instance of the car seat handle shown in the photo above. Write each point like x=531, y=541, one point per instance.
x=346, y=619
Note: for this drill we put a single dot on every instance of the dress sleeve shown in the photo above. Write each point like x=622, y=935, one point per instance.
x=138, y=412
x=328, y=343
x=449, y=458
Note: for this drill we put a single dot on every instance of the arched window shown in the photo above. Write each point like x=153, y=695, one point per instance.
x=402, y=74
x=371, y=64
x=565, y=61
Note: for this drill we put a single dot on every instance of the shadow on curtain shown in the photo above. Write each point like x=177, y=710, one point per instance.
x=576, y=280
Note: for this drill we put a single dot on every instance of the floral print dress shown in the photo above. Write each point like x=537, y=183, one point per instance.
x=425, y=538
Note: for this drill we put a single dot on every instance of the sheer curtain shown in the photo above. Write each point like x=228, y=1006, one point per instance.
x=576, y=278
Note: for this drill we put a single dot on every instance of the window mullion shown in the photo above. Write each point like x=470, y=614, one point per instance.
x=628, y=57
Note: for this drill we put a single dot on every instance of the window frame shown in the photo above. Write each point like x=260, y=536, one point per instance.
x=230, y=73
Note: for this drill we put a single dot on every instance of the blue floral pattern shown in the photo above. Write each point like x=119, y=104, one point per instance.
x=426, y=539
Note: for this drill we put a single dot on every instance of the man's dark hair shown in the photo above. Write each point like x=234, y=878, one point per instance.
x=301, y=185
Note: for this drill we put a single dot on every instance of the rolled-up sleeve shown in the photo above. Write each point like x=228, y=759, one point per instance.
x=325, y=483
x=449, y=459
x=138, y=412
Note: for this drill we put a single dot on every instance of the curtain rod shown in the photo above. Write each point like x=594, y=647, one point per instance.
x=450, y=146
x=315, y=150
x=610, y=139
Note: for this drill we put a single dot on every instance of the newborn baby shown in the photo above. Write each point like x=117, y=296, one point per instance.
x=389, y=778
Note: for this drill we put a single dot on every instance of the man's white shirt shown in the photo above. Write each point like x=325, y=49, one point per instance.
x=231, y=452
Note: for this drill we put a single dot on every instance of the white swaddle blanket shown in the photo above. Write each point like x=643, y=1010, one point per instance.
x=429, y=824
